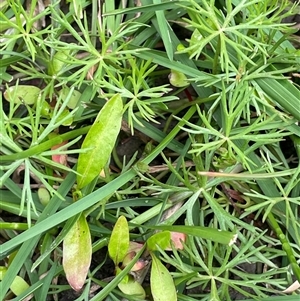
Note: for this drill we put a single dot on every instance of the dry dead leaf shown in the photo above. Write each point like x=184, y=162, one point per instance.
x=40, y=7
x=292, y=288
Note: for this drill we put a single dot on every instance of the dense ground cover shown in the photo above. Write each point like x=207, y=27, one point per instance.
x=149, y=150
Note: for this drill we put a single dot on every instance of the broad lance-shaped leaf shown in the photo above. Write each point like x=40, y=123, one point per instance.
x=100, y=141
x=77, y=253
x=22, y=94
x=162, y=285
x=119, y=241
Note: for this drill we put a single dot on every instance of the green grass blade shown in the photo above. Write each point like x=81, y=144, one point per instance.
x=30, y=241
x=282, y=92
x=164, y=30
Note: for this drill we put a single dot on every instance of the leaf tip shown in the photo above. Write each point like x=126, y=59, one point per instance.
x=233, y=240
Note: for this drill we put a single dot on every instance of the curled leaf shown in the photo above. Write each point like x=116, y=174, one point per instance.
x=196, y=38
x=46, y=109
x=292, y=288
x=139, y=265
x=220, y=236
x=134, y=248
x=19, y=285
x=68, y=120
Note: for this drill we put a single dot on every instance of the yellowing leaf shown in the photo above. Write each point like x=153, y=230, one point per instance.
x=119, y=241
x=77, y=253
x=100, y=141
x=178, y=79
x=162, y=285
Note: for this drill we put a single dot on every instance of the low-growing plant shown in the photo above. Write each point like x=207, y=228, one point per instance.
x=206, y=206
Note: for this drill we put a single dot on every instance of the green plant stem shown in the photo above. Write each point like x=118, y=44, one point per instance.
x=216, y=57
x=14, y=226
x=285, y=245
x=15, y=209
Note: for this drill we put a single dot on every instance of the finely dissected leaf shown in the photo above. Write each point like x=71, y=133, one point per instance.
x=77, y=253
x=100, y=141
x=23, y=93
x=162, y=285
x=119, y=241
x=161, y=239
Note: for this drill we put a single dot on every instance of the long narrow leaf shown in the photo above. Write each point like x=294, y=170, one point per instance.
x=223, y=237
x=164, y=29
x=282, y=92
x=29, y=242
